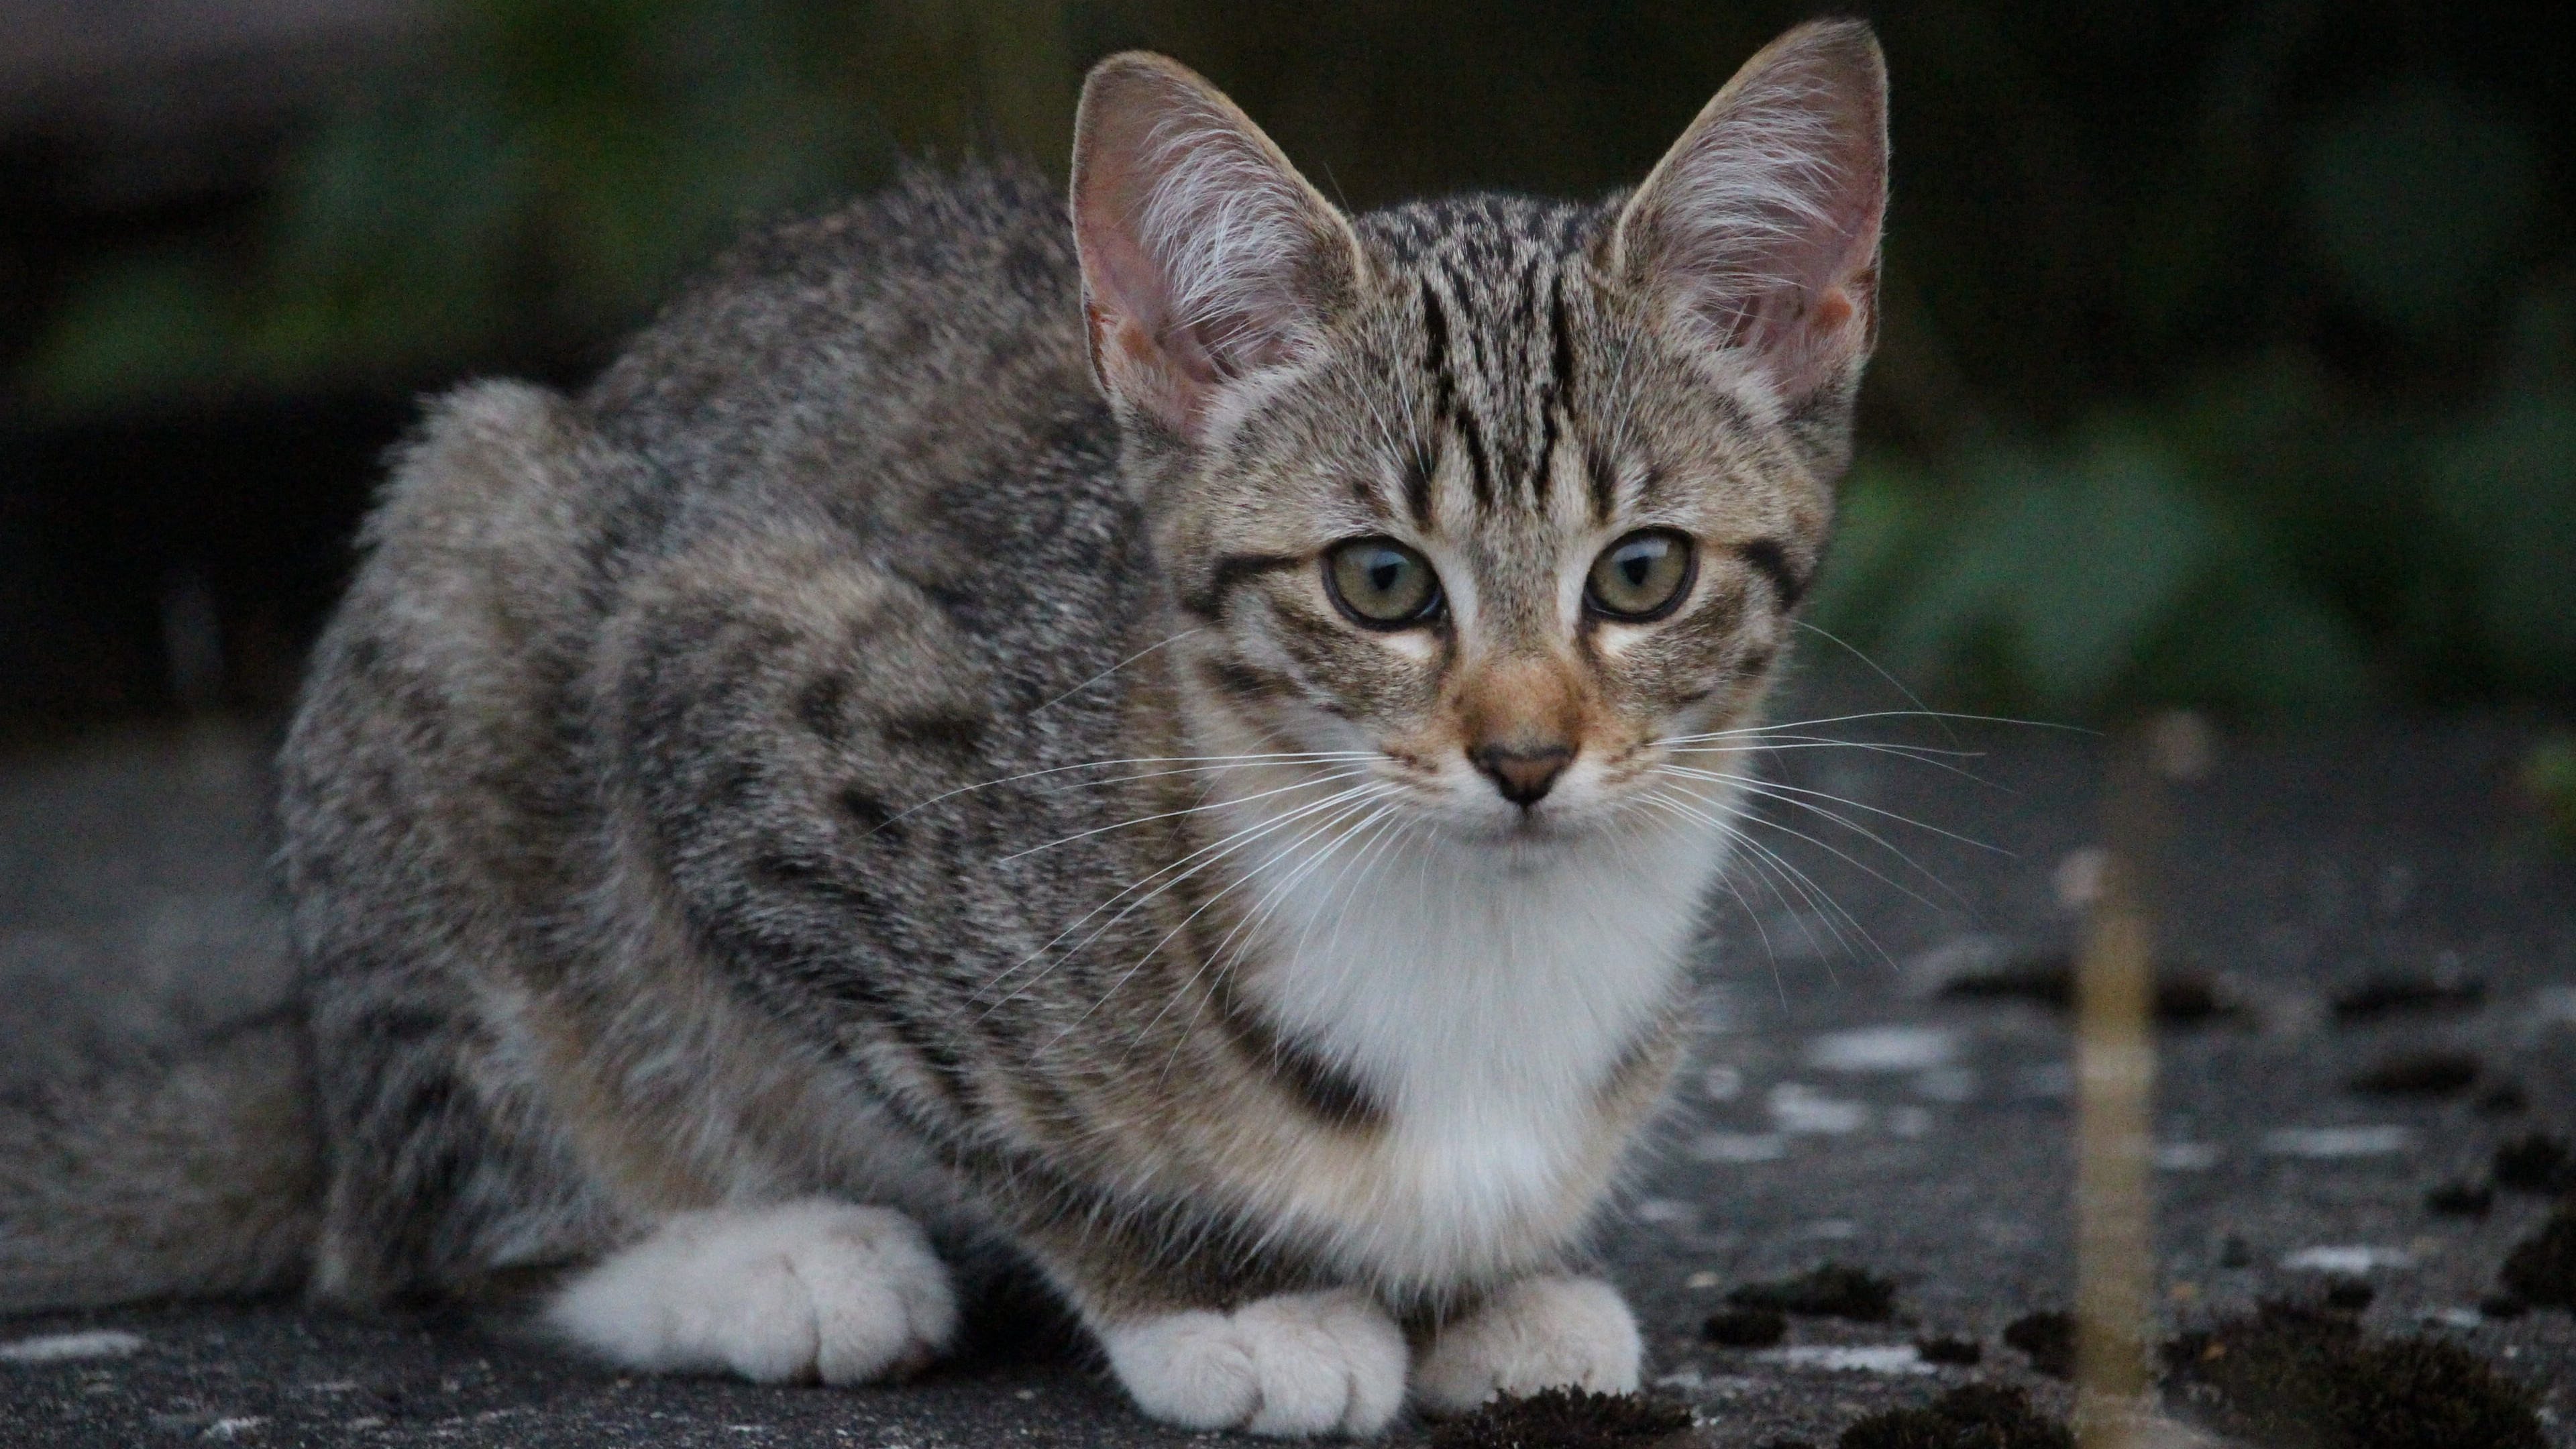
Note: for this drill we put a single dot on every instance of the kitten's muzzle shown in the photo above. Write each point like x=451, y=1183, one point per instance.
x=1523, y=775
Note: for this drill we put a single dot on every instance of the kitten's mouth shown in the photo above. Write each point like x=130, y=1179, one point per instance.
x=1528, y=827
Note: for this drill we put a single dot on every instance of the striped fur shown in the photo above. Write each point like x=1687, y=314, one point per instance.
x=888, y=743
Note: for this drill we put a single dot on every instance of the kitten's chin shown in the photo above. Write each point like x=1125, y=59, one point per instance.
x=1531, y=838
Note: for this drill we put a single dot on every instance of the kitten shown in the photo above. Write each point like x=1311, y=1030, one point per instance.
x=1148, y=745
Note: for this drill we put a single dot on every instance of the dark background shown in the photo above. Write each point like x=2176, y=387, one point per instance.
x=2229, y=355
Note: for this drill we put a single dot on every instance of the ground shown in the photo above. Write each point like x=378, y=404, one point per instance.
x=1844, y=1107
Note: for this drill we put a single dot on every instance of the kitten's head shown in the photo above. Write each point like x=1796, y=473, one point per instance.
x=1503, y=494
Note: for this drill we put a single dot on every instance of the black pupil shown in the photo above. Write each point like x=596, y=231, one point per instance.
x=1640, y=561
x=1385, y=571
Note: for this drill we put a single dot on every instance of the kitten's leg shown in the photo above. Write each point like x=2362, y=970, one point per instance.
x=804, y=1291
x=1293, y=1363
x=1535, y=1334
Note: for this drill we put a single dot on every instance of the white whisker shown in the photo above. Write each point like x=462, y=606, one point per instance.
x=1212, y=761
x=1214, y=852
x=1112, y=669
x=1325, y=778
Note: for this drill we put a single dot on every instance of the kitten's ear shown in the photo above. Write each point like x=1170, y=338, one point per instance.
x=1758, y=232
x=1205, y=256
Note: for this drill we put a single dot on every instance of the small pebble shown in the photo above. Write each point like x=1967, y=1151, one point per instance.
x=1801, y=1110
x=1899, y=1358
x=2322, y=1142
x=2187, y=1156
x=1739, y=1147
x=1891, y=1048
x=2357, y=1258
x=56, y=1347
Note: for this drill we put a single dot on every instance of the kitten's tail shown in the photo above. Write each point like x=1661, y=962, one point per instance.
x=196, y=1172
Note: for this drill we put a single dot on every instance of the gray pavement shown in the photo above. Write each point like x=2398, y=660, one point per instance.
x=1845, y=1108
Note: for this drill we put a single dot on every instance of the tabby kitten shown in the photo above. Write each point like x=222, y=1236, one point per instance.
x=1149, y=745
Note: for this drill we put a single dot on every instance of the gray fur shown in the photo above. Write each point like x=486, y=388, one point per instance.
x=707, y=793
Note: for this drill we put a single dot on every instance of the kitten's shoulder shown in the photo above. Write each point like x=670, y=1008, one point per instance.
x=932, y=283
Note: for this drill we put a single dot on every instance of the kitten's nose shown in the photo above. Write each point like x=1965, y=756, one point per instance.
x=1524, y=776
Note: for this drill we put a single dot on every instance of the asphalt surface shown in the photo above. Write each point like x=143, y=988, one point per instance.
x=1845, y=1109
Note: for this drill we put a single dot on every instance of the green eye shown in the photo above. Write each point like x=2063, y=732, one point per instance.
x=1642, y=576
x=1381, y=584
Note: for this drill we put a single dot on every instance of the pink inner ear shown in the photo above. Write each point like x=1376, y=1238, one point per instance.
x=1761, y=228
x=1831, y=311
x=1201, y=248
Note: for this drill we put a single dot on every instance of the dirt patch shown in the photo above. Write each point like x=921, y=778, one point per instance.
x=1745, y=1328
x=2420, y=1074
x=1976, y=1416
x=2048, y=1338
x=1566, y=1419
x=2536, y=1163
x=2541, y=1269
x=2398, y=993
x=2185, y=996
x=2288, y=1376
x=2460, y=1198
x=1834, y=1290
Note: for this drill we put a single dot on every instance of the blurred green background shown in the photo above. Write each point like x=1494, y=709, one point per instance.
x=2229, y=352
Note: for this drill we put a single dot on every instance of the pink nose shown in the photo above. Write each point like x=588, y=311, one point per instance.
x=1524, y=776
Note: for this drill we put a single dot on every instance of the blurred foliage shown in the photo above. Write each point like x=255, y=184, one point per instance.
x=2549, y=776
x=2230, y=350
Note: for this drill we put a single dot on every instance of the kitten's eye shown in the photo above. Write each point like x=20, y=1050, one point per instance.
x=1381, y=584
x=1642, y=576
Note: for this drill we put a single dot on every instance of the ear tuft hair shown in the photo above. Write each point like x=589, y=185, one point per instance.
x=1758, y=232
x=1205, y=256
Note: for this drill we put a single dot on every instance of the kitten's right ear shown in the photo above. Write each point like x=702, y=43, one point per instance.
x=1205, y=256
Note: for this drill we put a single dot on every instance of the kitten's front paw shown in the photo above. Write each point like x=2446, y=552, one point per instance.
x=1539, y=1333
x=1299, y=1363
x=804, y=1291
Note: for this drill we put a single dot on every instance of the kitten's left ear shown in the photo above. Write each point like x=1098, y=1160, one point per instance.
x=1205, y=256
x=1758, y=232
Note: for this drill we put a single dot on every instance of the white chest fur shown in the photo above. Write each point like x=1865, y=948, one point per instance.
x=1485, y=1001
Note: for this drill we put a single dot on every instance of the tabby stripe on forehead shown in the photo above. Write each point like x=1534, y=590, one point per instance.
x=1560, y=371
x=1445, y=404
x=1605, y=483
x=1478, y=469
x=1419, y=464
x=1435, y=350
x=1766, y=555
x=1551, y=396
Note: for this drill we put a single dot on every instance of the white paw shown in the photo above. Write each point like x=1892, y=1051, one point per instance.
x=804, y=1291
x=1539, y=1333
x=1299, y=1363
